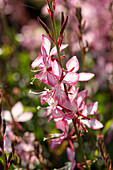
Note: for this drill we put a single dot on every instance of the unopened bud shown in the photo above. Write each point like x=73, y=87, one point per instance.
x=43, y=25
x=37, y=148
x=78, y=14
x=62, y=18
x=4, y=126
x=13, y=144
x=64, y=26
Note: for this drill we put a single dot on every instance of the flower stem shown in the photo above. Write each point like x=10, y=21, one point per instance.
x=80, y=144
x=83, y=59
x=56, y=39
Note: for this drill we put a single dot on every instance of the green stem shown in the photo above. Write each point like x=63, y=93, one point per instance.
x=80, y=144
x=56, y=40
x=83, y=59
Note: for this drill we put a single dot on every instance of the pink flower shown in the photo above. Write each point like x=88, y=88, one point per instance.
x=78, y=109
x=63, y=126
x=73, y=66
x=69, y=77
x=18, y=114
x=57, y=139
x=25, y=148
x=44, y=61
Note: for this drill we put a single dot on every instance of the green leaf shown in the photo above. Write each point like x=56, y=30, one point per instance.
x=1, y=159
x=107, y=126
x=16, y=158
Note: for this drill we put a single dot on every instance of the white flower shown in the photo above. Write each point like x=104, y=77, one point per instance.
x=17, y=113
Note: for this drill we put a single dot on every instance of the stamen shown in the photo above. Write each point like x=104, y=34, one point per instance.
x=32, y=92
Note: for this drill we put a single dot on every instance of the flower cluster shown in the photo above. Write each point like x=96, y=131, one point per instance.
x=65, y=102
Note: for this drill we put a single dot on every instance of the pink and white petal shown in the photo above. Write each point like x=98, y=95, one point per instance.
x=90, y=109
x=71, y=157
x=63, y=46
x=7, y=115
x=80, y=97
x=57, y=113
x=51, y=79
x=59, y=94
x=61, y=98
x=54, y=49
x=50, y=117
x=67, y=104
x=56, y=142
x=44, y=55
x=46, y=43
x=70, y=78
x=25, y=117
x=56, y=68
x=42, y=77
x=81, y=106
x=38, y=61
x=73, y=63
x=72, y=106
x=92, y=123
x=48, y=111
x=85, y=76
x=62, y=125
x=17, y=109
x=72, y=93
x=69, y=116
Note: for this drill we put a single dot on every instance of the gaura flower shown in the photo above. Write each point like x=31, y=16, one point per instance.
x=78, y=110
x=57, y=139
x=17, y=113
x=44, y=61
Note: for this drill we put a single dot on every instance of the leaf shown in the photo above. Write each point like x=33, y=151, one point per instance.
x=107, y=126
x=16, y=158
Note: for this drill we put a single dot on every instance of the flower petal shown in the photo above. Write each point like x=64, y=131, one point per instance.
x=71, y=157
x=62, y=125
x=59, y=93
x=80, y=97
x=51, y=79
x=73, y=64
x=70, y=78
x=42, y=77
x=54, y=50
x=37, y=61
x=92, y=123
x=7, y=115
x=85, y=76
x=72, y=93
x=44, y=54
x=70, y=105
x=57, y=70
x=46, y=43
x=25, y=117
x=90, y=109
x=56, y=142
x=57, y=113
x=17, y=109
